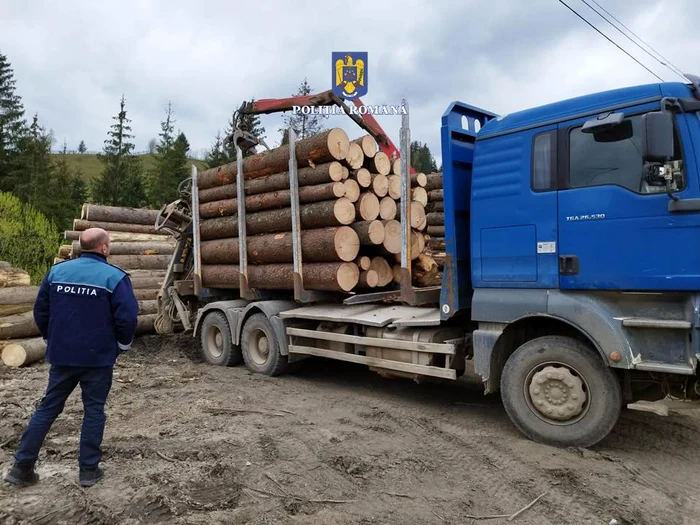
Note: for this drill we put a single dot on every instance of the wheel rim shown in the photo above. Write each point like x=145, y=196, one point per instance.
x=215, y=342
x=259, y=347
x=557, y=393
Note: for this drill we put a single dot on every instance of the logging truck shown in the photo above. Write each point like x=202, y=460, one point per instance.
x=568, y=273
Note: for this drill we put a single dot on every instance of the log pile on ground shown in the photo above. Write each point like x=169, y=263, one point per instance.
x=435, y=219
x=349, y=195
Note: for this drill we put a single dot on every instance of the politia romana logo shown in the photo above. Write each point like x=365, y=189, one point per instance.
x=349, y=74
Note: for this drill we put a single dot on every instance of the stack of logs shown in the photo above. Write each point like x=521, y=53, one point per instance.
x=435, y=217
x=349, y=195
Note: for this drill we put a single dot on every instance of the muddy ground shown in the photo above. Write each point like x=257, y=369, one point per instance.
x=188, y=442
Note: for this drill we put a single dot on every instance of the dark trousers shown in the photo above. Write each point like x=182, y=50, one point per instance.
x=95, y=384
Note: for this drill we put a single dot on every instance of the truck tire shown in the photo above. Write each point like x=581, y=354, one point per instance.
x=261, y=350
x=217, y=342
x=556, y=390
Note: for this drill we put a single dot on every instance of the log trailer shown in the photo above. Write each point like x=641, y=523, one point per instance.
x=571, y=278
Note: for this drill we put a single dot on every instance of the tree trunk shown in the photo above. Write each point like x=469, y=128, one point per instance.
x=24, y=353
x=147, y=283
x=146, y=324
x=321, y=174
x=436, y=243
x=99, y=213
x=142, y=262
x=380, y=185
x=334, y=277
x=368, y=144
x=355, y=157
x=384, y=273
x=387, y=208
x=394, y=187
x=371, y=233
x=435, y=206
x=18, y=295
x=325, y=147
x=146, y=295
x=420, y=195
x=380, y=163
x=368, y=206
x=272, y=200
x=363, y=177
x=435, y=219
x=321, y=245
x=425, y=271
x=437, y=231
x=148, y=307
x=435, y=195
x=418, y=180
x=18, y=326
x=392, y=236
x=12, y=277
x=364, y=263
x=418, y=220
x=132, y=248
x=434, y=182
x=123, y=237
x=352, y=190
x=147, y=273
x=14, y=309
x=81, y=225
x=368, y=279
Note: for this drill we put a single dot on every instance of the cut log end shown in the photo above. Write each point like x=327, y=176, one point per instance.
x=363, y=177
x=355, y=157
x=392, y=236
x=367, y=206
x=347, y=243
x=352, y=190
x=419, y=180
x=396, y=167
x=338, y=143
x=394, y=187
x=368, y=144
x=420, y=195
x=382, y=163
x=387, y=208
x=336, y=171
x=347, y=276
x=364, y=263
x=339, y=189
x=384, y=272
x=369, y=279
x=24, y=353
x=380, y=185
x=418, y=217
x=344, y=211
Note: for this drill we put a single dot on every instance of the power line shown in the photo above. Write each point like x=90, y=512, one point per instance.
x=608, y=39
x=656, y=56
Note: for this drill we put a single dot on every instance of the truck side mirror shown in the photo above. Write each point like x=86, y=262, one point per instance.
x=657, y=138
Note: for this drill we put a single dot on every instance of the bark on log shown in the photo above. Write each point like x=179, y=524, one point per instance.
x=122, y=237
x=364, y=263
x=433, y=182
x=142, y=262
x=147, y=283
x=316, y=215
x=334, y=277
x=436, y=243
x=320, y=245
x=352, y=190
x=146, y=295
x=132, y=248
x=435, y=195
x=437, y=231
x=435, y=206
x=81, y=225
x=146, y=273
x=355, y=157
x=18, y=295
x=425, y=271
x=146, y=324
x=148, y=307
x=321, y=174
x=272, y=200
x=367, y=207
x=325, y=147
x=396, y=270
x=392, y=236
x=394, y=187
x=435, y=219
x=387, y=208
x=418, y=220
x=18, y=326
x=420, y=195
x=380, y=163
x=368, y=279
x=418, y=180
x=371, y=233
x=57, y=260
x=368, y=144
x=14, y=309
x=384, y=272
x=418, y=244
x=99, y=213
x=380, y=185
x=12, y=277
x=24, y=353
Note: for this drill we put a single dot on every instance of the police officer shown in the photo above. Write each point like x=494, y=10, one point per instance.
x=86, y=312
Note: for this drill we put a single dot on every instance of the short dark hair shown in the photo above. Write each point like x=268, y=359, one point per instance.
x=93, y=241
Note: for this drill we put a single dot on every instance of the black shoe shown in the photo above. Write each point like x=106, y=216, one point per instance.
x=22, y=476
x=88, y=477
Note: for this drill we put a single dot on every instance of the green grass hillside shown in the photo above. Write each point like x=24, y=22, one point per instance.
x=91, y=167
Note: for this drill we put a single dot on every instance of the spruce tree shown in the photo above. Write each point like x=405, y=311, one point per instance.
x=12, y=125
x=422, y=159
x=67, y=190
x=216, y=156
x=159, y=177
x=33, y=169
x=121, y=180
x=304, y=125
x=82, y=148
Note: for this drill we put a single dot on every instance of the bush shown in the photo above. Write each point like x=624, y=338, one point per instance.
x=28, y=240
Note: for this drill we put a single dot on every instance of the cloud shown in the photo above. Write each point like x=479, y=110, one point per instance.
x=73, y=60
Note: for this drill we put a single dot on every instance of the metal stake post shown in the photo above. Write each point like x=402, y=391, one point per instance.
x=195, y=233
x=244, y=290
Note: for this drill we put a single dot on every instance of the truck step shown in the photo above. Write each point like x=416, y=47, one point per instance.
x=645, y=322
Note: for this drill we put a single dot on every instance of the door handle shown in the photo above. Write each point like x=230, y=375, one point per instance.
x=568, y=264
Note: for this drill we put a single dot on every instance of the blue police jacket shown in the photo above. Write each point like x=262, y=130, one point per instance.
x=86, y=311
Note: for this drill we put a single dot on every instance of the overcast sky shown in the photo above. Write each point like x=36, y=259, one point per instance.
x=74, y=59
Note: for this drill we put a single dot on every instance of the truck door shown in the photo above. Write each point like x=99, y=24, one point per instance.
x=615, y=229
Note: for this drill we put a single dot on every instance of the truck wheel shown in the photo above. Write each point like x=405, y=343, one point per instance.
x=261, y=351
x=217, y=343
x=557, y=391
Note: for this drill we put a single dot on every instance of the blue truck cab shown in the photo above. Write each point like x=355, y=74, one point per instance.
x=572, y=239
